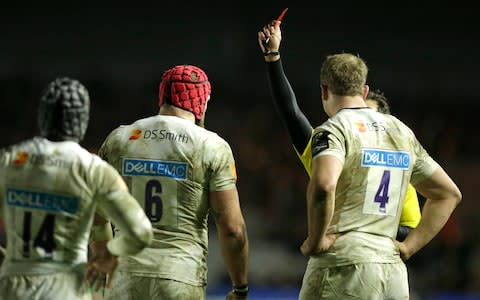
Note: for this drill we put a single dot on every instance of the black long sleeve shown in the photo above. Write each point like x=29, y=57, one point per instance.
x=298, y=126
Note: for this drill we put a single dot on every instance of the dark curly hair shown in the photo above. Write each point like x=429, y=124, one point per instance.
x=382, y=101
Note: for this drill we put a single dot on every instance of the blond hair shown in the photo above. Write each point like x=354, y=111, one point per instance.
x=344, y=74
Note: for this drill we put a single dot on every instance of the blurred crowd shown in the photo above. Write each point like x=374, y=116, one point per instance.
x=271, y=180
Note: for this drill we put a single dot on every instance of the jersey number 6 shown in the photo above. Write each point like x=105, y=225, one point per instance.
x=153, y=202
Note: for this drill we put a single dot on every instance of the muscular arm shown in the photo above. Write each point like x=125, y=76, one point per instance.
x=232, y=234
x=128, y=216
x=321, y=196
x=118, y=206
x=298, y=126
x=442, y=198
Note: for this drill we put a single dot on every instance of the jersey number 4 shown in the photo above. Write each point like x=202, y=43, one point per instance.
x=381, y=196
x=44, y=238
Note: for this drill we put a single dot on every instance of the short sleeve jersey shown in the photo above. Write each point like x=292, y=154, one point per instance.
x=380, y=156
x=48, y=197
x=170, y=166
x=410, y=211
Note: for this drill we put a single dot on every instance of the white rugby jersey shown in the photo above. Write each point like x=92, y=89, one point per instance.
x=380, y=156
x=49, y=192
x=170, y=165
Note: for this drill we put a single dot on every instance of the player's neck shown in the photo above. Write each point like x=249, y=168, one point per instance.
x=170, y=110
x=55, y=138
x=349, y=102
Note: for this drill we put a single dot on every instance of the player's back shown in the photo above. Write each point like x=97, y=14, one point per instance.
x=48, y=205
x=378, y=153
x=168, y=164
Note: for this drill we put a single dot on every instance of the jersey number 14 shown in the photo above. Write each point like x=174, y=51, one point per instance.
x=44, y=238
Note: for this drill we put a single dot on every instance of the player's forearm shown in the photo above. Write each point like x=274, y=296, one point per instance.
x=320, y=212
x=101, y=229
x=435, y=215
x=235, y=250
x=134, y=227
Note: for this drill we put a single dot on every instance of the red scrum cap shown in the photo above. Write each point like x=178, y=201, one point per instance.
x=186, y=87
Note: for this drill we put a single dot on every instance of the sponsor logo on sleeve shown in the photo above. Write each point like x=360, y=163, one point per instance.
x=148, y=167
x=43, y=201
x=385, y=158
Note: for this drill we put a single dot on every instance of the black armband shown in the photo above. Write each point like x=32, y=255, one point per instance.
x=240, y=290
x=271, y=53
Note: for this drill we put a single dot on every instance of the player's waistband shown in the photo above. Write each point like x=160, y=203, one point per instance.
x=358, y=247
x=10, y=268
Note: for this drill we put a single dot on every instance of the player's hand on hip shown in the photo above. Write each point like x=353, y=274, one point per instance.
x=100, y=267
x=403, y=249
x=308, y=248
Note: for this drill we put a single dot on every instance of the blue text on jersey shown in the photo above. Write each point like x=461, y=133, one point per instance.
x=385, y=158
x=43, y=201
x=147, y=167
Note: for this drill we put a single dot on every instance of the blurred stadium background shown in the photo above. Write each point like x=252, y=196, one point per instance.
x=426, y=62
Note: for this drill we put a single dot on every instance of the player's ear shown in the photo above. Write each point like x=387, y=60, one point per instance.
x=365, y=91
x=324, y=88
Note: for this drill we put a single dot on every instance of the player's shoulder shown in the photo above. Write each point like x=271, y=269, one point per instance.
x=403, y=127
x=209, y=141
x=11, y=151
x=213, y=137
x=333, y=123
x=95, y=165
x=33, y=144
x=122, y=132
x=76, y=152
x=21, y=144
x=117, y=131
x=201, y=133
x=211, y=134
x=142, y=122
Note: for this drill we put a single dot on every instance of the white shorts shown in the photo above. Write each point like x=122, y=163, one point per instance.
x=57, y=286
x=372, y=281
x=125, y=286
